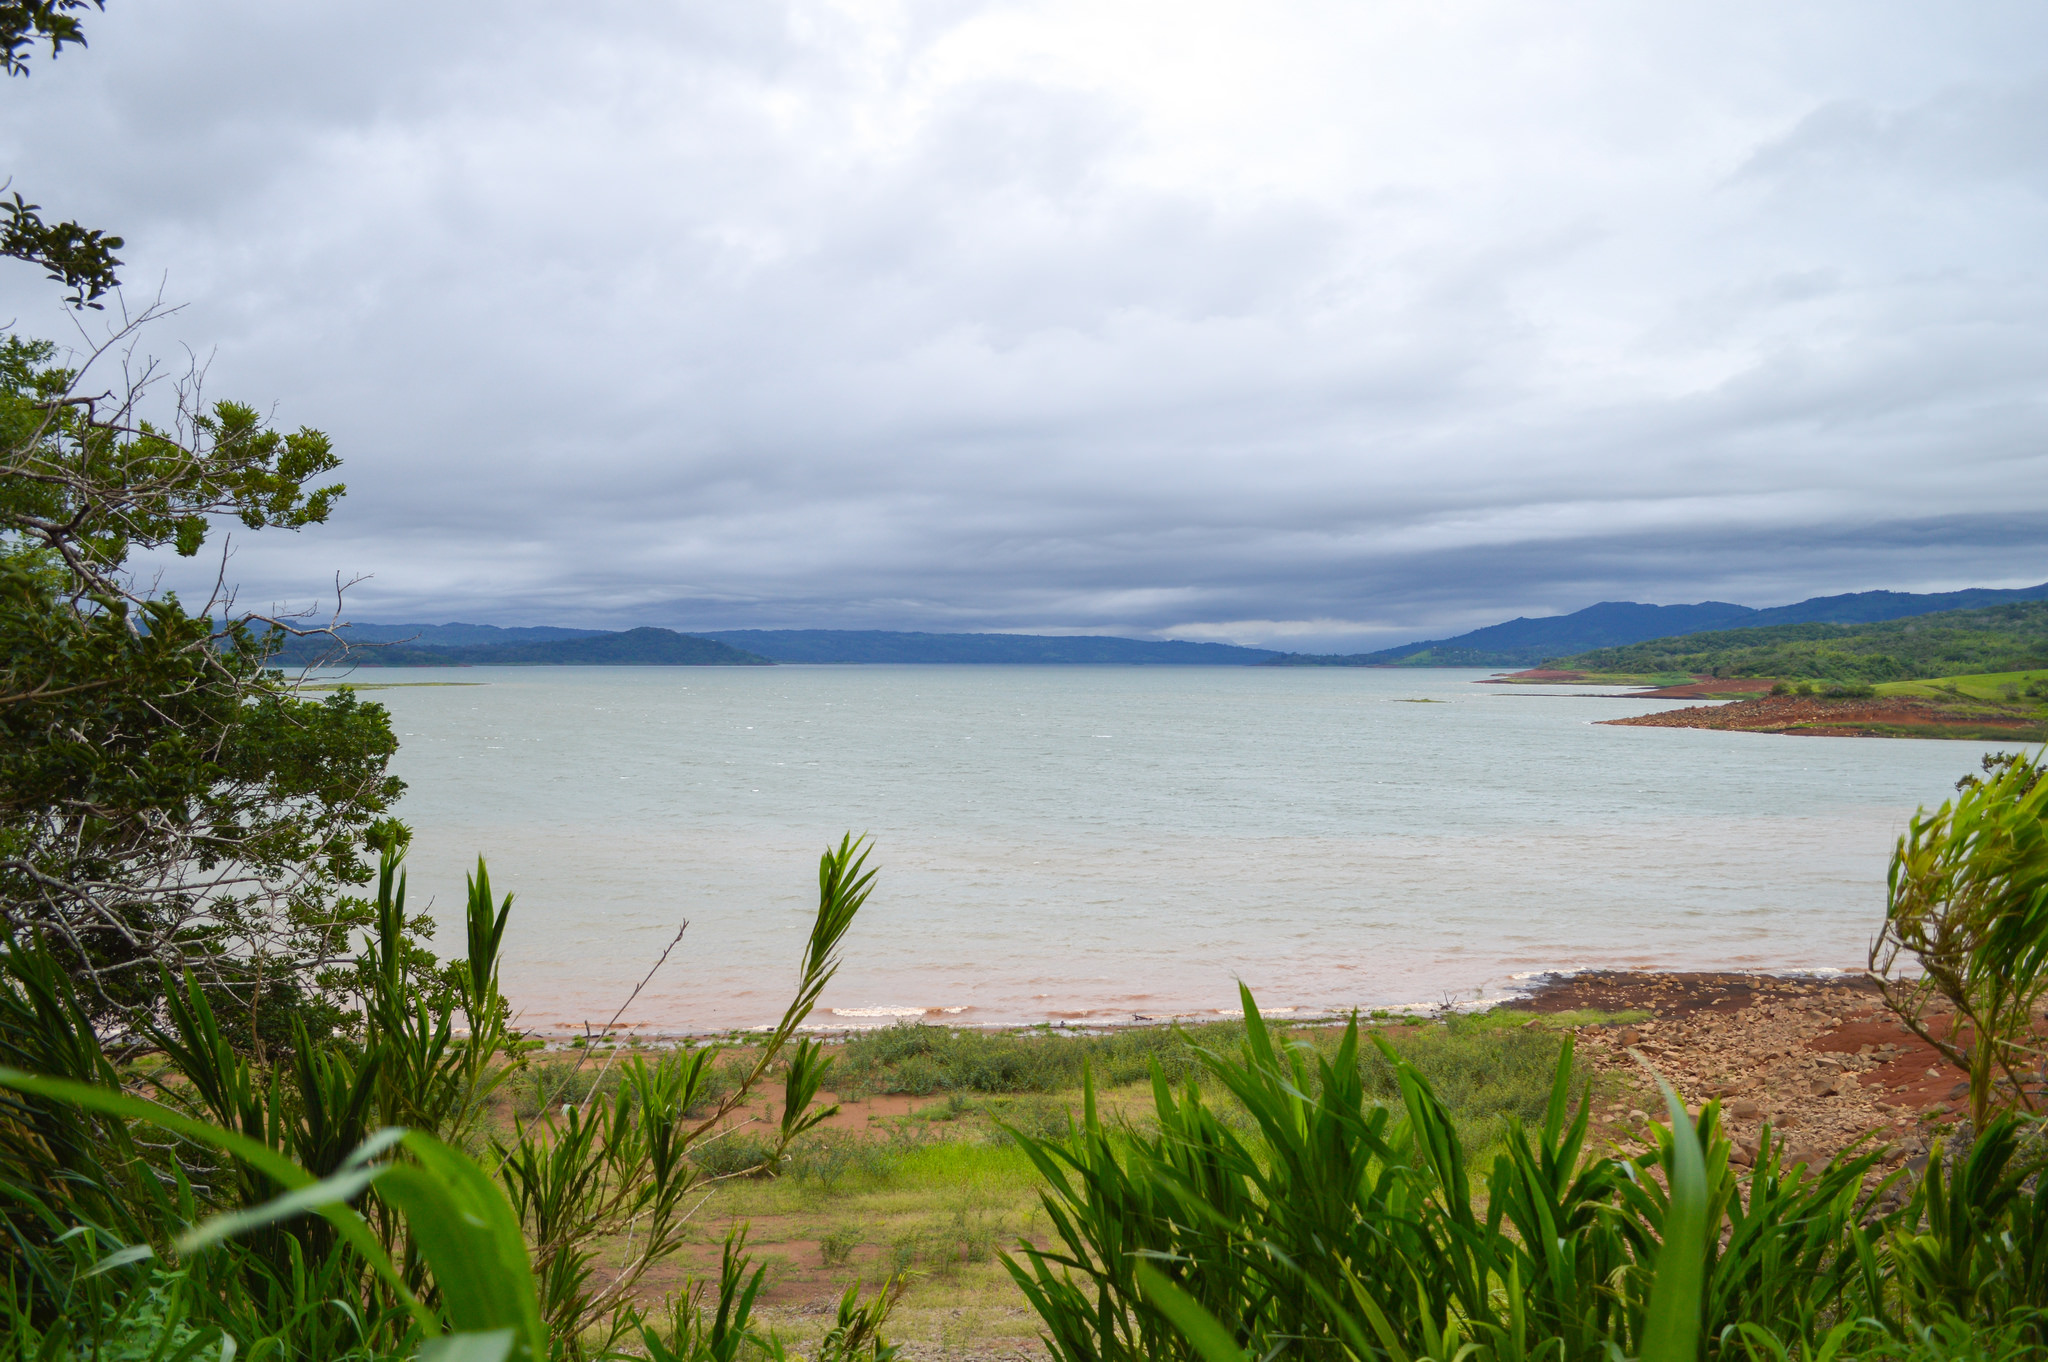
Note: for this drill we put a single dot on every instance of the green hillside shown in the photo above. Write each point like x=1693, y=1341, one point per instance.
x=1999, y=638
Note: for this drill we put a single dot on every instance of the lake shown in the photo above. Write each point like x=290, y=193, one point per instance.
x=1099, y=844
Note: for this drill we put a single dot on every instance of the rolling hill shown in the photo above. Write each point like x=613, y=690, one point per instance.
x=1614, y=624
x=1999, y=638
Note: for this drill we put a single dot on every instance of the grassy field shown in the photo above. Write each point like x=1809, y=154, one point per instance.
x=920, y=1172
x=2010, y=687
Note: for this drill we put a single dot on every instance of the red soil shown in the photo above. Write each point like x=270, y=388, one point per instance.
x=1821, y=1059
x=1882, y=715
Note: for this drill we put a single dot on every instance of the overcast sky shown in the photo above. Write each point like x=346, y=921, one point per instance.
x=1323, y=325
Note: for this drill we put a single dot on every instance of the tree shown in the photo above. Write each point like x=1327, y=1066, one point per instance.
x=80, y=258
x=1968, y=902
x=165, y=798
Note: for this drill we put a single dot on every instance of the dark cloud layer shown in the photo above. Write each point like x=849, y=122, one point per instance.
x=1330, y=326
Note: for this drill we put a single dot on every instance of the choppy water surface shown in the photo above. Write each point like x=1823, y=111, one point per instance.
x=1117, y=842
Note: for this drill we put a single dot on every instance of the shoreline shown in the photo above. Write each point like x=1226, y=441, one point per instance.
x=1545, y=992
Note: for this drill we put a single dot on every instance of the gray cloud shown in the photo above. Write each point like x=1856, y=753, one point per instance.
x=1329, y=327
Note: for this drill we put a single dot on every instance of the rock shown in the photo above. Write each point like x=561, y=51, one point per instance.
x=1630, y=1036
x=1742, y=1156
x=1959, y=1090
x=1744, y=1110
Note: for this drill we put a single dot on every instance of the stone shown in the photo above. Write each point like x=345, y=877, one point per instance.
x=1744, y=1110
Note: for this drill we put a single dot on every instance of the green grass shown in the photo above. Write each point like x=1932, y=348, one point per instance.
x=2009, y=687
x=923, y=1060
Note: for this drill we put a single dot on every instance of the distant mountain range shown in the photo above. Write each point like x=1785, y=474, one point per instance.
x=559, y=648
x=454, y=645
x=879, y=645
x=1517, y=643
x=1616, y=624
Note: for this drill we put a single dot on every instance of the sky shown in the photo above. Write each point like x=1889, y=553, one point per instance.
x=1314, y=325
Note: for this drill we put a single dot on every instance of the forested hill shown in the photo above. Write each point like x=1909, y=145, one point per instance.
x=1612, y=624
x=1998, y=638
x=880, y=645
x=443, y=645
x=633, y=648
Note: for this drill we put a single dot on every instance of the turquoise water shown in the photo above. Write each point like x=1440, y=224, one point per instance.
x=1108, y=842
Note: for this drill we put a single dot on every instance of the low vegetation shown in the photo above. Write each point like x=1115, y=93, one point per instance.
x=1399, y=1187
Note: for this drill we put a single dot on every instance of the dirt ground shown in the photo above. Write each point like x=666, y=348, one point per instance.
x=1889, y=716
x=1819, y=1058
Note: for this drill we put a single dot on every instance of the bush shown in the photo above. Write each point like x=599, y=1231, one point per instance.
x=829, y=1158
x=552, y=1084
x=835, y=1247
x=921, y=1060
x=734, y=1154
x=1481, y=1072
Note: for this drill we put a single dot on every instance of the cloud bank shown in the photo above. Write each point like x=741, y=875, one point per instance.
x=1323, y=325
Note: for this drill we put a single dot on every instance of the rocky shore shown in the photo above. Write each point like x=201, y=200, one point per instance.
x=1881, y=716
x=1819, y=1058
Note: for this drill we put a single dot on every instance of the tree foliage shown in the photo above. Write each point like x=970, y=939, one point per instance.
x=80, y=258
x=164, y=798
x=1994, y=638
x=1968, y=910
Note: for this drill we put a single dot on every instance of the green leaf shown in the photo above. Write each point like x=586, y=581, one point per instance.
x=338, y=1190
x=471, y=1239
x=1671, y=1329
x=134, y=1253
x=494, y=1346
x=1200, y=1327
x=257, y=1155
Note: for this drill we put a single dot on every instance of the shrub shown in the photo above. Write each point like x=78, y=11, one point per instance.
x=1482, y=1073
x=1968, y=903
x=734, y=1154
x=829, y=1158
x=921, y=1060
x=552, y=1083
x=836, y=1246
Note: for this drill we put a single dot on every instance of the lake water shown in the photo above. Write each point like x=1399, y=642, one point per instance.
x=1104, y=843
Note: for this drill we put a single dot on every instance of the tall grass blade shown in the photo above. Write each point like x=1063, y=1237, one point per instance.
x=1671, y=1328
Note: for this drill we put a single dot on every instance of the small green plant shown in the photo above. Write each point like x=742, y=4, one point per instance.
x=736, y=1153
x=321, y=1234
x=836, y=1246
